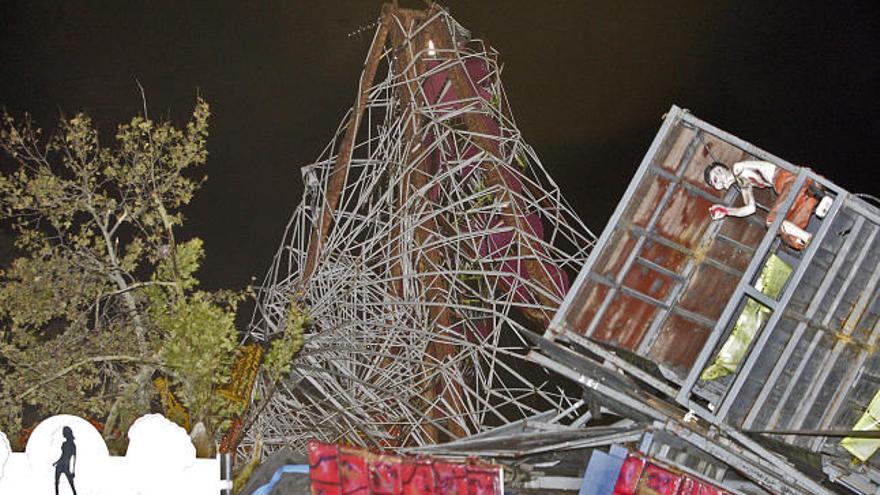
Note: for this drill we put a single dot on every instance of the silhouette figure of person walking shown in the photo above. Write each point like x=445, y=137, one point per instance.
x=67, y=462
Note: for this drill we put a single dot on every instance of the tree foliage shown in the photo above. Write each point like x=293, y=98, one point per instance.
x=103, y=298
x=282, y=350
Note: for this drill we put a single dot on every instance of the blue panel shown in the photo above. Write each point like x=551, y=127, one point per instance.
x=601, y=474
x=290, y=468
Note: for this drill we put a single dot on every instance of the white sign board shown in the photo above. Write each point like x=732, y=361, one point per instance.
x=67, y=454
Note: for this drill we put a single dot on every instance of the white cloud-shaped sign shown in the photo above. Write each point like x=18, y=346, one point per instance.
x=68, y=444
x=157, y=445
x=68, y=450
x=5, y=450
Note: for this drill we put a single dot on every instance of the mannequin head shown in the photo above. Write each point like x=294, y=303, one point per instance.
x=718, y=176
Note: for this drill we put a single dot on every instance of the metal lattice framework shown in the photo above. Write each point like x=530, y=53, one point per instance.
x=429, y=236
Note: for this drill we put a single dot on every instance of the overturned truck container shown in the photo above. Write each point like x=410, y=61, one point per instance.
x=763, y=326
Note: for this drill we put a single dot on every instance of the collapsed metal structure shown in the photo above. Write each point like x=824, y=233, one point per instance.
x=428, y=239
x=661, y=302
x=431, y=250
x=669, y=285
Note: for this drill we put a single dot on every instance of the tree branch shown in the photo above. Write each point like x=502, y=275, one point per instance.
x=140, y=380
x=138, y=285
x=143, y=98
x=95, y=359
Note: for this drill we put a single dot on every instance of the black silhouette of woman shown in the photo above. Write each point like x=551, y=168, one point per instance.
x=67, y=462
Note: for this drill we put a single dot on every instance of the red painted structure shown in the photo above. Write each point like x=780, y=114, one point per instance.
x=641, y=476
x=337, y=470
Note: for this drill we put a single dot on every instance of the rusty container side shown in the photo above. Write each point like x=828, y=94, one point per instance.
x=589, y=297
x=624, y=324
x=678, y=342
x=648, y=281
x=671, y=153
x=708, y=291
x=667, y=270
x=685, y=218
x=664, y=256
x=612, y=260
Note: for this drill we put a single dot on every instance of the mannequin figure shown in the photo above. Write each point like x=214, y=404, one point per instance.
x=747, y=175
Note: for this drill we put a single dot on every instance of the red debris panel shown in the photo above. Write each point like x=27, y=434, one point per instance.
x=338, y=470
x=641, y=476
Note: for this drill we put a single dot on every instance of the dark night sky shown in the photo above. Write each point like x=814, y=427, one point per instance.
x=587, y=81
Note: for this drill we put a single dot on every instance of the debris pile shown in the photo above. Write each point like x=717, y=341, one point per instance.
x=724, y=348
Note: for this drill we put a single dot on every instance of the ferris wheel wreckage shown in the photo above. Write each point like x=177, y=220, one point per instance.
x=457, y=305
